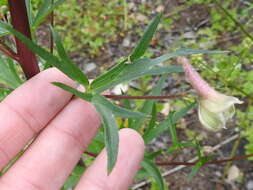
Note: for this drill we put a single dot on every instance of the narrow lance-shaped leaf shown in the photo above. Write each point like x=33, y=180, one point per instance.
x=67, y=63
x=148, y=104
x=45, y=9
x=143, y=67
x=184, y=52
x=111, y=134
x=152, y=122
x=116, y=110
x=109, y=75
x=84, y=96
x=146, y=38
x=163, y=126
x=48, y=57
x=29, y=11
x=153, y=172
x=137, y=53
x=138, y=74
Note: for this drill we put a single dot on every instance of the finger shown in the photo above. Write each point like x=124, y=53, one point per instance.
x=28, y=109
x=50, y=159
x=131, y=150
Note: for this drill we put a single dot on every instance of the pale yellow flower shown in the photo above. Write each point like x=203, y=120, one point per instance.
x=214, y=108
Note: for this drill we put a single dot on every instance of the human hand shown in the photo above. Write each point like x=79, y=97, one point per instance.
x=66, y=127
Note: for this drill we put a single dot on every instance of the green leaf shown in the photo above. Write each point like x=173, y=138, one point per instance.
x=181, y=113
x=67, y=63
x=146, y=38
x=84, y=96
x=111, y=134
x=68, y=69
x=153, y=155
x=185, y=52
x=29, y=11
x=165, y=124
x=152, y=121
x=45, y=9
x=144, y=67
x=109, y=75
x=153, y=172
x=3, y=32
x=194, y=170
x=97, y=143
x=116, y=110
x=74, y=177
x=148, y=104
x=172, y=129
x=128, y=76
x=3, y=93
x=8, y=73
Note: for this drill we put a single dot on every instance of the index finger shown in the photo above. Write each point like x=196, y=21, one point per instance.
x=28, y=109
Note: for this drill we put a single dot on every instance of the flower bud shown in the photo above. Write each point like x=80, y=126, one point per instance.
x=214, y=108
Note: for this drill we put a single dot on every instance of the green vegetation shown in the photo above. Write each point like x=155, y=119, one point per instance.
x=87, y=26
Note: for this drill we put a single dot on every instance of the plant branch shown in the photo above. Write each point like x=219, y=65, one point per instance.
x=207, y=163
x=8, y=51
x=27, y=58
x=51, y=35
x=119, y=97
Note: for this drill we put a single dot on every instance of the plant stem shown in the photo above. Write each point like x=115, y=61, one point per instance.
x=118, y=97
x=51, y=35
x=210, y=162
x=27, y=58
x=8, y=51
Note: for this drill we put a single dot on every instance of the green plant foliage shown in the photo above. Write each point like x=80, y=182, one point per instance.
x=73, y=178
x=153, y=172
x=8, y=73
x=146, y=38
x=116, y=110
x=88, y=25
x=111, y=133
x=46, y=7
x=3, y=2
x=63, y=65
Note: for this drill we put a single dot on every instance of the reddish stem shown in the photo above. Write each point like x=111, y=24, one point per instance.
x=118, y=97
x=8, y=51
x=91, y=154
x=210, y=162
x=27, y=58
